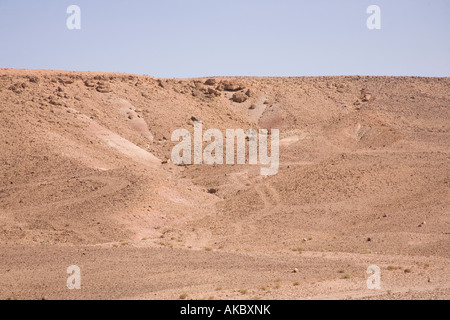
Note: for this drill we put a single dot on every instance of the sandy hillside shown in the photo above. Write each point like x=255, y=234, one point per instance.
x=86, y=179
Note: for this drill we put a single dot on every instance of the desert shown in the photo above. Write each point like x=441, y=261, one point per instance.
x=86, y=179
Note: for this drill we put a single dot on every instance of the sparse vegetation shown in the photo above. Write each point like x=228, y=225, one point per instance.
x=345, y=276
x=183, y=296
x=299, y=249
x=391, y=268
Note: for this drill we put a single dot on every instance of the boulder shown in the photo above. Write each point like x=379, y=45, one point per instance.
x=228, y=85
x=239, y=97
x=210, y=82
x=104, y=88
x=214, y=92
x=90, y=83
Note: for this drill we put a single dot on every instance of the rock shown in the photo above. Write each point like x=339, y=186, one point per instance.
x=365, y=96
x=239, y=97
x=252, y=107
x=230, y=86
x=66, y=81
x=103, y=88
x=18, y=87
x=248, y=93
x=214, y=92
x=212, y=191
x=295, y=270
x=220, y=87
x=90, y=83
x=34, y=79
x=54, y=102
x=210, y=82
x=200, y=86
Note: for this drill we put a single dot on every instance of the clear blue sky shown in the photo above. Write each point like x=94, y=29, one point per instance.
x=195, y=38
